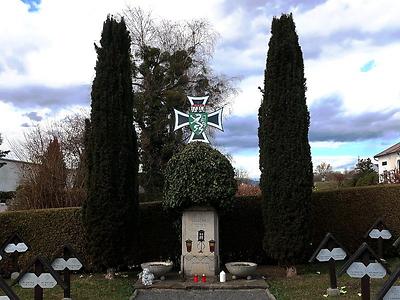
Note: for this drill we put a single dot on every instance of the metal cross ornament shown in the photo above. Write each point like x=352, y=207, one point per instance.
x=198, y=119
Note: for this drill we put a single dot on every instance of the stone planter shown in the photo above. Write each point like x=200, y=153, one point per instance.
x=241, y=269
x=158, y=268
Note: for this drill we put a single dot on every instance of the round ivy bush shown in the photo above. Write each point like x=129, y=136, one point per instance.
x=199, y=176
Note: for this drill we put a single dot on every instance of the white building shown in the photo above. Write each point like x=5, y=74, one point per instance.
x=10, y=174
x=388, y=160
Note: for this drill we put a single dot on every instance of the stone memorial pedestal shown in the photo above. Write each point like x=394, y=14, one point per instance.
x=200, y=242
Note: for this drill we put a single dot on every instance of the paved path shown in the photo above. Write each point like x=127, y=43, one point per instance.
x=200, y=294
x=177, y=288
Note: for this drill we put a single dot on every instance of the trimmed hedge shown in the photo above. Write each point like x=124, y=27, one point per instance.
x=347, y=213
x=45, y=230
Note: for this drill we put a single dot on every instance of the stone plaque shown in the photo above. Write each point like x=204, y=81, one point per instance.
x=376, y=270
x=4, y=298
x=1, y=257
x=393, y=293
x=10, y=248
x=28, y=281
x=384, y=234
x=324, y=255
x=59, y=264
x=357, y=270
x=200, y=242
x=73, y=264
x=375, y=234
x=20, y=247
x=338, y=254
x=46, y=281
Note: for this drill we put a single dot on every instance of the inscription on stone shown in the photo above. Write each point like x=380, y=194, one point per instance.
x=200, y=227
x=384, y=234
x=393, y=293
x=373, y=270
x=30, y=280
x=326, y=255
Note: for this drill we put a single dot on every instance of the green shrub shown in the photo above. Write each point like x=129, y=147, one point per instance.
x=370, y=178
x=199, y=175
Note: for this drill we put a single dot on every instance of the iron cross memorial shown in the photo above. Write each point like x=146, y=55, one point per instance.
x=198, y=119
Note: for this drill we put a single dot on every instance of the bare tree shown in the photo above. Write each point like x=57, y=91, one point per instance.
x=46, y=148
x=70, y=133
x=44, y=184
x=323, y=169
x=171, y=61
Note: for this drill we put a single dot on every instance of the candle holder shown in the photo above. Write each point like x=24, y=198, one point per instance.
x=212, y=245
x=188, y=245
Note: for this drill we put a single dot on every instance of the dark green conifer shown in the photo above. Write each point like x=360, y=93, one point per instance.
x=110, y=213
x=285, y=159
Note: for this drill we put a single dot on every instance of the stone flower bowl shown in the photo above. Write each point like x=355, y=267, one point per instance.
x=158, y=268
x=241, y=269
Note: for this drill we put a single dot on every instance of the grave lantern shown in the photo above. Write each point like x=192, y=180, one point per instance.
x=188, y=245
x=379, y=231
x=66, y=260
x=212, y=245
x=200, y=240
x=330, y=250
x=365, y=264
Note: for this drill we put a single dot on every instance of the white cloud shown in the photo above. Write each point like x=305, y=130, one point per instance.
x=339, y=74
x=248, y=162
x=338, y=163
x=328, y=145
x=57, y=41
x=249, y=98
x=333, y=16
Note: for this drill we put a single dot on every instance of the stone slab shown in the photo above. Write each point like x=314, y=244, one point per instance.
x=200, y=264
x=198, y=259
x=174, y=281
x=333, y=292
x=222, y=294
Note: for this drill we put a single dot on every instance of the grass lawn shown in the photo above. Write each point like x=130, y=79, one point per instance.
x=89, y=287
x=310, y=285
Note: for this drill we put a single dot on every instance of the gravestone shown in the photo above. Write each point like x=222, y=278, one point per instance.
x=200, y=242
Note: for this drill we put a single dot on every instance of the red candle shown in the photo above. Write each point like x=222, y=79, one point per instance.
x=203, y=278
x=196, y=278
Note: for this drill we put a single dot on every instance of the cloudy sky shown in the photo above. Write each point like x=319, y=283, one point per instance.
x=351, y=50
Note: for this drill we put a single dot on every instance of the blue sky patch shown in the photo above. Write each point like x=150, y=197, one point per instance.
x=33, y=4
x=368, y=66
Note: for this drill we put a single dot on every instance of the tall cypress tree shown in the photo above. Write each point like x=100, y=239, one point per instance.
x=111, y=211
x=285, y=158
